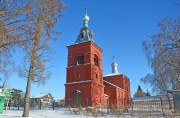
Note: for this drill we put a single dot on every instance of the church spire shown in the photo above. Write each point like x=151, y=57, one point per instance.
x=85, y=33
x=86, y=18
x=114, y=67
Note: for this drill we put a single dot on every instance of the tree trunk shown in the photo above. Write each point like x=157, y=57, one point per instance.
x=18, y=104
x=7, y=105
x=169, y=101
x=27, y=94
x=30, y=77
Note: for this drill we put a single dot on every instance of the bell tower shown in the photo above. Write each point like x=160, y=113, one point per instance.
x=84, y=79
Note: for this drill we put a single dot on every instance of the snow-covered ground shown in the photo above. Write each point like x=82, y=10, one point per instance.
x=61, y=113
x=64, y=113
x=40, y=114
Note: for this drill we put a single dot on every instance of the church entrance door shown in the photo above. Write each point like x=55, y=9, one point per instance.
x=77, y=98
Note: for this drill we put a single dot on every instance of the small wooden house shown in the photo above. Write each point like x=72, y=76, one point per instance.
x=42, y=100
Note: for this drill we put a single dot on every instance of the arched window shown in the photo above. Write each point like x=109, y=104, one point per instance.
x=96, y=75
x=80, y=59
x=96, y=60
x=90, y=35
x=82, y=34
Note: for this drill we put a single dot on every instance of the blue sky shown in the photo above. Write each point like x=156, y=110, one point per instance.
x=119, y=27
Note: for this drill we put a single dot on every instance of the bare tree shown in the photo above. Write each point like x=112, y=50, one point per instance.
x=29, y=24
x=11, y=31
x=3, y=81
x=163, y=54
x=160, y=84
x=165, y=46
x=41, y=16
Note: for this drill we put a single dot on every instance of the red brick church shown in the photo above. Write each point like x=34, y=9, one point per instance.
x=85, y=83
